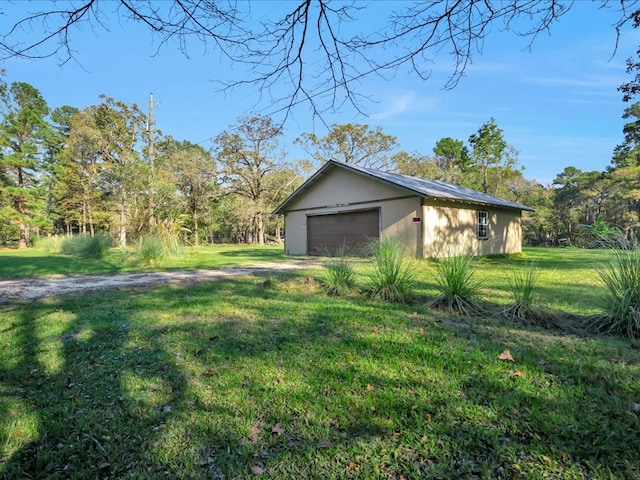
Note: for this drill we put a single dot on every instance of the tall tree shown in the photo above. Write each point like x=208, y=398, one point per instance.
x=56, y=143
x=195, y=177
x=493, y=160
x=452, y=159
x=623, y=199
x=80, y=171
x=248, y=153
x=416, y=165
x=351, y=143
x=122, y=127
x=578, y=199
x=627, y=154
x=22, y=132
x=631, y=88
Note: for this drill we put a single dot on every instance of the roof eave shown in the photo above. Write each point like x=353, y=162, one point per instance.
x=321, y=171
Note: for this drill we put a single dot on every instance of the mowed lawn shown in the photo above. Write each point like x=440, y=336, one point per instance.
x=268, y=377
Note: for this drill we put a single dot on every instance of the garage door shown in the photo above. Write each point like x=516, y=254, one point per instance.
x=352, y=230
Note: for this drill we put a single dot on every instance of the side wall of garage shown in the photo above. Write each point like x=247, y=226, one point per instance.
x=449, y=225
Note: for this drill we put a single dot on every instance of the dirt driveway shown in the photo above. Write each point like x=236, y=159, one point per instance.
x=27, y=289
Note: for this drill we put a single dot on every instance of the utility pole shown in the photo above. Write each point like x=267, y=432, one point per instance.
x=152, y=179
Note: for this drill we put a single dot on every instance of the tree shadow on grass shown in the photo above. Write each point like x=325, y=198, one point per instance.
x=96, y=400
x=220, y=379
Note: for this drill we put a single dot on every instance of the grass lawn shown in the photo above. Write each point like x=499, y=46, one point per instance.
x=246, y=378
x=42, y=262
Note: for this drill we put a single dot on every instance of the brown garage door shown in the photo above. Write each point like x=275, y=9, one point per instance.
x=352, y=230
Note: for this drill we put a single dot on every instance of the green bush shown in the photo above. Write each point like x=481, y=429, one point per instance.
x=151, y=249
x=621, y=278
x=49, y=244
x=339, y=272
x=460, y=290
x=394, y=274
x=85, y=247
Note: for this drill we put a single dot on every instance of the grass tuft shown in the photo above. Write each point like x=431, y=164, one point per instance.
x=151, y=250
x=340, y=276
x=89, y=248
x=394, y=274
x=522, y=286
x=460, y=290
x=621, y=278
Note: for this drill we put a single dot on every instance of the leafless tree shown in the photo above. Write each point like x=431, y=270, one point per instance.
x=320, y=49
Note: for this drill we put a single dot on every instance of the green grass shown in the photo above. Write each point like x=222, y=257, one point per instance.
x=41, y=262
x=232, y=378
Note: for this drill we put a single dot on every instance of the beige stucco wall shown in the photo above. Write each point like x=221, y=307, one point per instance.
x=453, y=226
x=354, y=192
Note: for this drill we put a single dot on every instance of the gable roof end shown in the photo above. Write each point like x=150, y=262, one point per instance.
x=418, y=186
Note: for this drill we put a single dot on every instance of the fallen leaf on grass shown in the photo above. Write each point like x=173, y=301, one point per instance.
x=506, y=356
x=277, y=429
x=414, y=315
x=353, y=467
x=370, y=388
x=257, y=470
x=255, y=431
x=517, y=373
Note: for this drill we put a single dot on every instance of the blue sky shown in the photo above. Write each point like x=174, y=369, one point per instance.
x=557, y=103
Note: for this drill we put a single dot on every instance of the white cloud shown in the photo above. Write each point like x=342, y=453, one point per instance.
x=403, y=103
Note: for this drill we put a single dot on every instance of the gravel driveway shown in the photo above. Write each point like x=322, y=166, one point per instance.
x=26, y=289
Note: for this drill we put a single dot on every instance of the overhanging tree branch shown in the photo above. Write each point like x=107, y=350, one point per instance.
x=317, y=49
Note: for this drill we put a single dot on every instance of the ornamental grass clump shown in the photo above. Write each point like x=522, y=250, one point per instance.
x=340, y=276
x=460, y=290
x=151, y=249
x=86, y=247
x=394, y=274
x=523, y=284
x=621, y=278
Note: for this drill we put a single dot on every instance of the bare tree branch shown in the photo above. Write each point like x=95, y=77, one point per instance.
x=317, y=49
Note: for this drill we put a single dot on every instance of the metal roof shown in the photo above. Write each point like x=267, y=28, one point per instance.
x=433, y=189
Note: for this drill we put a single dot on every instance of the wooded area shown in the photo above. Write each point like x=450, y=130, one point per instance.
x=103, y=169
x=106, y=169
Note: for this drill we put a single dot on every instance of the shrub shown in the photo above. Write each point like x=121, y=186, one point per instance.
x=339, y=272
x=50, y=244
x=86, y=247
x=393, y=276
x=522, y=286
x=171, y=243
x=455, y=275
x=151, y=249
x=621, y=278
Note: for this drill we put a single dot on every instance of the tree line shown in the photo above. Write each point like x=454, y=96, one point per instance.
x=103, y=169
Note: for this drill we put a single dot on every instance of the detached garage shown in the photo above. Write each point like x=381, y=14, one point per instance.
x=346, y=206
